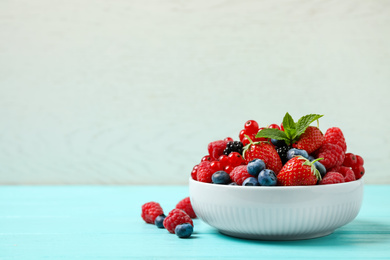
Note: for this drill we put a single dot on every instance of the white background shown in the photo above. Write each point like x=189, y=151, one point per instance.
x=131, y=92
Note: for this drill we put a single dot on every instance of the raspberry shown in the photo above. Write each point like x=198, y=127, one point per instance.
x=334, y=135
x=204, y=172
x=348, y=173
x=332, y=178
x=216, y=149
x=333, y=155
x=150, y=211
x=176, y=217
x=185, y=205
x=239, y=174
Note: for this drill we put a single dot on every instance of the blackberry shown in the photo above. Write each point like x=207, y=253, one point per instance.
x=235, y=146
x=282, y=151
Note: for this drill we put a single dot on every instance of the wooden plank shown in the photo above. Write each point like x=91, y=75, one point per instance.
x=92, y=222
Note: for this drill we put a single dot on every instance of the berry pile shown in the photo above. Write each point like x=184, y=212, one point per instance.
x=290, y=154
x=179, y=220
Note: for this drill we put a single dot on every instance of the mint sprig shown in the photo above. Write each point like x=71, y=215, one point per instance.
x=292, y=130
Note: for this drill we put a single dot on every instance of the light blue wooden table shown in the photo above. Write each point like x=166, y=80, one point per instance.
x=103, y=222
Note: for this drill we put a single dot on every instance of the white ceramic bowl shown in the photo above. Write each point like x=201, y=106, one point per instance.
x=276, y=213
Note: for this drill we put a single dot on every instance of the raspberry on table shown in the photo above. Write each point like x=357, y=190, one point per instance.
x=185, y=205
x=239, y=174
x=176, y=217
x=334, y=135
x=150, y=211
x=332, y=178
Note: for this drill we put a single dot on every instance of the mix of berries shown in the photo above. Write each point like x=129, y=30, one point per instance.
x=289, y=154
x=178, y=221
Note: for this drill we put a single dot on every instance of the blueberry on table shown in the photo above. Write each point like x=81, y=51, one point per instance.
x=184, y=230
x=267, y=177
x=159, y=221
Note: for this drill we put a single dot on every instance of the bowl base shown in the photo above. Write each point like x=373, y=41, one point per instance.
x=276, y=237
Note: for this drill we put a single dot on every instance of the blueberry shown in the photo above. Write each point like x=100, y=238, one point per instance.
x=250, y=181
x=184, y=230
x=220, y=177
x=255, y=166
x=321, y=168
x=267, y=177
x=278, y=143
x=159, y=221
x=295, y=152
x=311, y=158
x=233, y=184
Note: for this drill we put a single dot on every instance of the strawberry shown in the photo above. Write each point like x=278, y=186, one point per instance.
x=298, y=171
x=264, y=151
x=298, y=134
x=310, y=140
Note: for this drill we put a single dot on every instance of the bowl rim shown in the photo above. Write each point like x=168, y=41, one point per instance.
x=302, y=187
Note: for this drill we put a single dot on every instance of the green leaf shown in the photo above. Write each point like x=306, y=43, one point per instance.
x=304, y=122
x=288, y=122
x=272, y=133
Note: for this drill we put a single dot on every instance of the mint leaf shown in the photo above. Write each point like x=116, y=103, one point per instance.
x=304, y=122
x=272, y=133
x=289, y=126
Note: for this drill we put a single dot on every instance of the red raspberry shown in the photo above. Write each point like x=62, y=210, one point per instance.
x=333, y=155
x=185, y=205
x=350, y=160
x=204, y=172
x=332, y=178
x=348, y=173
x=176, y=217
x=150, y=211
x=239, y=174
x=216, y=149
x=334, y=135
x=359, y=171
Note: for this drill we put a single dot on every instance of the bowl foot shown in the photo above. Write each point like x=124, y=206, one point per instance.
x=276, y=237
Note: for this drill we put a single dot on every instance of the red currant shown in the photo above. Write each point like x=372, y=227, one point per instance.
x=206, y=158
x=228, y=168
x=194, y=172
x=245, y=141
x=350, y=160
x=360, y=160
x=242, y=134
x=228, y=139
x=358, y=170
x=275, y=126
x=224, y=160
x=251, y=127
x=216, y=166
x=235, y=159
